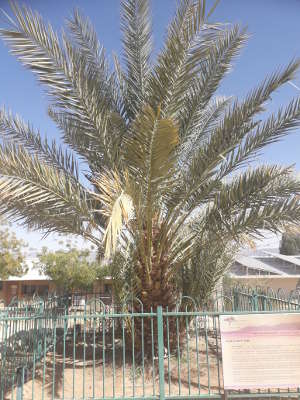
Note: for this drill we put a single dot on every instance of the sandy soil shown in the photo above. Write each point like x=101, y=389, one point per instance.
x=79, y=379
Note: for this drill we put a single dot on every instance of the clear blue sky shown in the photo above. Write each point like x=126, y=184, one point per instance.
x=273, y=24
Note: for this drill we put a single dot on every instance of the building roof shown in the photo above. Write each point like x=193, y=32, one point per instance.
x=264, y=277
x=289, y=259
x=253, y=263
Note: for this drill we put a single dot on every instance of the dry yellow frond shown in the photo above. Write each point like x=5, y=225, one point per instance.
x=116, y=205
x=119, y=217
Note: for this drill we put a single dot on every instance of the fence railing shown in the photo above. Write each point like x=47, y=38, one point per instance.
x=50, y=350
x=264, y=299
x=26, y=334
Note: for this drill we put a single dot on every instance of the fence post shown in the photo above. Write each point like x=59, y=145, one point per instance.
x=265, y=303
x=40, y=332
x=235, y=300
x=255, y=301
x=3, y=359
x=160, y=337
x=20, y=383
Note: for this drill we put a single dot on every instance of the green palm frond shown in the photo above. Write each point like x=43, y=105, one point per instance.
x=213, y=68
x=238, y=122
x=150, y=155
x=40, y=195
x=211, y=260
x=270, y=131
x=228, y=204
x=122, y=84
x=275, y=217
x=85, y=36
x=96, y=151
x=86, y=41
x=257, y=186
x=63, y=69
x=189, y=39
x=15, y=130
x=207, y=120
x=254, y=192
x=38, y=47
x=137, y=45
x=73, y=134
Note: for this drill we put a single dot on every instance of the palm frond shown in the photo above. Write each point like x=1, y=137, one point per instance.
x=188, y=42
x=137, y=45
x=275, y=217
x=253, y=188
x=97, y=151
x=74, y=135
x=238, y=122
x=86, y=42
x=150, y=153
x=64, y=70
x=151, y=159
x=212, y=257
x=270, y=131
x=38, y=47
x=254, y=192
x=213, y=68
x=86, y=38
x=208, y=119
x=115, y=204
x=42, y=196
x=122, y=84
x=258, y=185
x=14, y=130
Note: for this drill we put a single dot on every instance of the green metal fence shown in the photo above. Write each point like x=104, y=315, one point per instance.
x=264, y=299
x=26, y=335
x=51, y=350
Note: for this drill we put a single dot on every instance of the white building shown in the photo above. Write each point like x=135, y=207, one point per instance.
x=267, y=268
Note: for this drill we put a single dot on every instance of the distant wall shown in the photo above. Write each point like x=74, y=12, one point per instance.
x=10, y=289
x=24, y=289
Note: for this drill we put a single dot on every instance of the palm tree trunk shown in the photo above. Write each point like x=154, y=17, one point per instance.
x=156, y=290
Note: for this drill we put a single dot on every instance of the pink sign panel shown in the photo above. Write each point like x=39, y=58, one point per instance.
x=261, y=351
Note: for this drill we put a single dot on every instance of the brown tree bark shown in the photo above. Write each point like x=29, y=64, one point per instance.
x=153, y=290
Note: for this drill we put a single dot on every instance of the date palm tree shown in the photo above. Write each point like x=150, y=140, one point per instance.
x=152, y=163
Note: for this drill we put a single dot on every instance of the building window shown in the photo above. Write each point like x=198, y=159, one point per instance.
x=107, y=289
x=14, y=290
x=1, y=286
x=30, y=290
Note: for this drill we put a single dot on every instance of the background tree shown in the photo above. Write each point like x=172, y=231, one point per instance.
x=290, y=243
x=70, y=270
x=160, y=149
x=12, y=259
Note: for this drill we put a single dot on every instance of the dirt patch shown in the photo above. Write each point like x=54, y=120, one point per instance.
x=91, y=371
